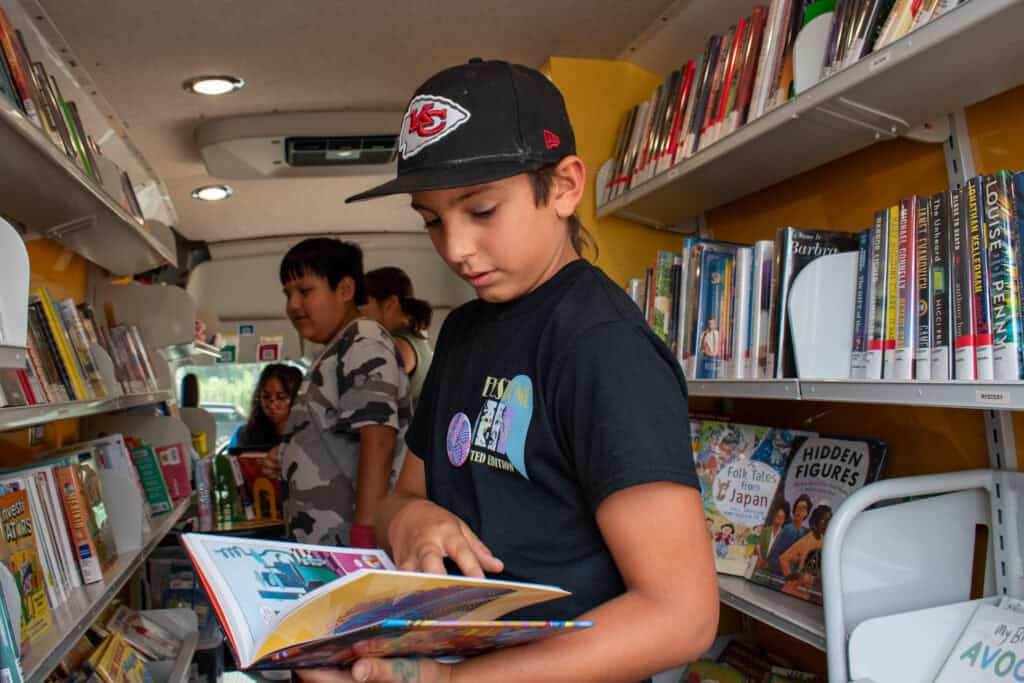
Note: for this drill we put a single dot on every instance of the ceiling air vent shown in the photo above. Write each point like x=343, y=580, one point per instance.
x=343, y=151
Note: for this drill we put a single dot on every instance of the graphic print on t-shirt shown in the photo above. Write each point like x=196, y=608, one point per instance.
x=498, y=437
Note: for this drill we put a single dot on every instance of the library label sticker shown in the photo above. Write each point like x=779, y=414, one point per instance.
x=227, y=354
x=269, y=352
x=992, y=397
x=880, y=60
x=246, y=330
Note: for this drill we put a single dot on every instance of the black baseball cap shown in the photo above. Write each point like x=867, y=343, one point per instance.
x=476, y=123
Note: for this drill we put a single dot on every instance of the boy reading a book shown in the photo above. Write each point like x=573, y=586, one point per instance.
x=551, y=442
x=343, y=439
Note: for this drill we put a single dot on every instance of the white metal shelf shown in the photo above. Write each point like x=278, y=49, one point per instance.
x=51, y=196
x=30, y=416
x=971, y=53
x=984, y=395
x=800, y=619
x=932, y=394
x=74, y=617
x=778, y=389
x=180, y=354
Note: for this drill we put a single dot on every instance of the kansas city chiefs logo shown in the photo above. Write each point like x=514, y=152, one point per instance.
x=429, y=119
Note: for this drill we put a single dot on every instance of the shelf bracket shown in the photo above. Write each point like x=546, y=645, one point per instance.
x=883, y=125
x=1002, y=448
x=957, y=150
x=58, y=232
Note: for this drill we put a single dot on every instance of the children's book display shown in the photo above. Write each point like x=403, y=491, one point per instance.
x=288, y=605
x=63, y=342
x=769, y=494
x=936, y=292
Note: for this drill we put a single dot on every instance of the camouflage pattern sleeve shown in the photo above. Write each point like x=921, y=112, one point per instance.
x=372, y=387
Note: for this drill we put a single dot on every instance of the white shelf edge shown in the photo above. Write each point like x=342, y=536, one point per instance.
x=936, y=394
x=906, y=48
x=73, y=618
x=195, y=349
x=29, y=416
x=16, y=121
x=183, y=662
x=777, y=389
x=797, y=618
x=12, y=356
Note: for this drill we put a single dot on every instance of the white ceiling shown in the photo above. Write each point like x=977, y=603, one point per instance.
x=308, y=55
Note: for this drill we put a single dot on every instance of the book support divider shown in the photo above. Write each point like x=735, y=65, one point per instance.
x=14, y=284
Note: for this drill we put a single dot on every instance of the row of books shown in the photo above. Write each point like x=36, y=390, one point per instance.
x=62, y=342
x=938, y=292
x=57, y=522
x=119, y=648
x=27, y=85
x=744, y=74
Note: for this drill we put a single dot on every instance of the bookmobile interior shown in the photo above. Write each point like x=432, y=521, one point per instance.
x=105, y=191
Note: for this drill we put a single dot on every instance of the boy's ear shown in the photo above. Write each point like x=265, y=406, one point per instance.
x=570, y=179
x=347, y=288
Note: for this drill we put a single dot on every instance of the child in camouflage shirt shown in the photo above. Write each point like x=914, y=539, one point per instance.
x=343, y=443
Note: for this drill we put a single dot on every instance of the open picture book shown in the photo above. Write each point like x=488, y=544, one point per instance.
x=290, y=605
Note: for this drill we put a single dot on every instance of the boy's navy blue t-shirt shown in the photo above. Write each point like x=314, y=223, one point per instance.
x=535, y=411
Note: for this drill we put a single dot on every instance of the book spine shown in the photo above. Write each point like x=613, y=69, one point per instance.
x=940, y=288
x=662, y=294
x=892, y=292
x=686, y=132
x=19, y=69
x=672, y=318
x=877, y=269
x=48, y=347
x=858, y=350
x=963, y=301
x=80, y=346
x=922, y=355
x=717, y=84
x=76, y=514
x=147, y=465
x=741, y=328
x=1018, y=236
x=980, y=278
x=56, y=591
x=728, y=121
x=906, y=295
x=63, y=344
x=999, y=225
x=60, y=529
x=764, y=256
x=683, y=306
x=700, y=113
x=746, y=85
x=770, y=44
x=677, y=124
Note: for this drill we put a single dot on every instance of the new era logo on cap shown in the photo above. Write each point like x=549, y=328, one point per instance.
x=429, y=119
x=551, y=141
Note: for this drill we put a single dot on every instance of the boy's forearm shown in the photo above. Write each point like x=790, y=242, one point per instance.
x=376, y=456
x=649, y=636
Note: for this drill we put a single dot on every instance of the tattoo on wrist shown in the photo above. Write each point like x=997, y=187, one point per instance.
x=405, y=671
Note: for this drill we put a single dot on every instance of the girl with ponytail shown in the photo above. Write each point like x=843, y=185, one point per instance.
x=390, y=301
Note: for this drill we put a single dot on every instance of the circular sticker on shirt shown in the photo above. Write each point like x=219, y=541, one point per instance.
x=460, y=434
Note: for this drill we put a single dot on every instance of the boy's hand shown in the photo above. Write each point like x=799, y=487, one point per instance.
x=422, y=534
x=382, y=671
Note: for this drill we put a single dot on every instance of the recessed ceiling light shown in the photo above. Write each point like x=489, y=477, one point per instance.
x=212, y=193
x=213, y=85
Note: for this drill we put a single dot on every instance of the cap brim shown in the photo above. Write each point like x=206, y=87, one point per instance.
x=462, y=175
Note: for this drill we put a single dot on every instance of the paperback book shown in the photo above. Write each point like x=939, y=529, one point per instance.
x=289, y=605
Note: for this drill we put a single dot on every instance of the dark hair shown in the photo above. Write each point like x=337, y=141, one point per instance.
x=803, y=498
x=328, y=258
x=190, y=391
x=731, y=527
x=817, y=515
x=382, y=283
x=259, y=430
x=780, y=504
x=540, y=182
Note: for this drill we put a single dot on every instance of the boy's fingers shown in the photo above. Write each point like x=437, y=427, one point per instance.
x=462, y=553
x=371, y=670
x=484, y=556
x=324, y=676
x=431, y=561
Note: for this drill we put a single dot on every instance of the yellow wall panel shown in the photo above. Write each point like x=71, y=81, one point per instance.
x=598, y=93
x=66, y=276
x=996, y=128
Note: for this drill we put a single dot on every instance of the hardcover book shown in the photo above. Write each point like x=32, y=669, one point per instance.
x=822, y=472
